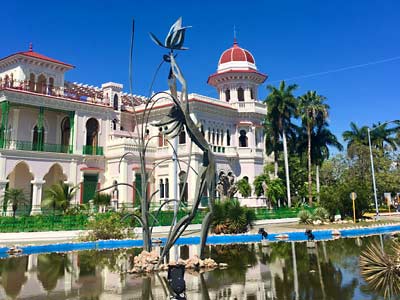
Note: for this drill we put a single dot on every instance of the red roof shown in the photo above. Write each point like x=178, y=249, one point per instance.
x=235, y=53
x=33, y=54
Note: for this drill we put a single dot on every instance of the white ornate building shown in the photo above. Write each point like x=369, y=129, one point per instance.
x=54, y=130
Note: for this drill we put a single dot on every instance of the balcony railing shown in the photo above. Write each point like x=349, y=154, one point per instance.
x=92, y=150
x=91, y=96
x=30, y=146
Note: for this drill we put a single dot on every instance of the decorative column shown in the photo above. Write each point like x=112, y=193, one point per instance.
x=72, y=179
x=123, y=178
x=3, y=185
x=247, y=94
x=15, y=122
x=71, y=115
x=37, y=187
x=40, y=129
x=5, y=108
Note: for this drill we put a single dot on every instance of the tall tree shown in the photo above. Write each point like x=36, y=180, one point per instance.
x=321, y=139
x=281, y=105
x=311, y=109
x=381, y=135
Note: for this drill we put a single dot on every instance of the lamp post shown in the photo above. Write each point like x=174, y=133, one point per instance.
x=372, y=162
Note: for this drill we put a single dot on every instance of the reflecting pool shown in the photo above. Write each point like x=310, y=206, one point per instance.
x=284, y=270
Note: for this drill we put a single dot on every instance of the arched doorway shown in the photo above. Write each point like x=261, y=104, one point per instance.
x=53, y=176
x=31, y=82
x=38, y=138
x=92, y=130
x=115, y=103
x=41, y=84
x=20, y=178
x=243, y=140
x=65, y=134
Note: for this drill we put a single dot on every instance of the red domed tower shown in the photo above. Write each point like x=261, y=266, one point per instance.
x=237, y=78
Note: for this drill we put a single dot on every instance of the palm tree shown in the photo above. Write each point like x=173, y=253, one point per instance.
x=272, y=143
x=281, y=105
x=380, y=136
x=321, y=139
x=59, y=196
x=311, y=109
x=244, y=187
x=16, y=197
x=356, y=135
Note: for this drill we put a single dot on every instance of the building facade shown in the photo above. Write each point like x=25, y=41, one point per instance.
x=53, y=130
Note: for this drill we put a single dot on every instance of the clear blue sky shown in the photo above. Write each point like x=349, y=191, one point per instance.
x=288, y=38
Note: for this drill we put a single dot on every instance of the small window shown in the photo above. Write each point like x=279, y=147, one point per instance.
x=228, y=138
x=227, y=95
x=251, y=93
x=114, y=124
x=182, y=137
x=166, y=188
x=162, y=195
x=243, y=140
x=202, y=130
x=240, y=92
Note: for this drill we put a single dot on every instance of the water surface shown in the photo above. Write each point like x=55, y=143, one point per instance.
x=284, y=270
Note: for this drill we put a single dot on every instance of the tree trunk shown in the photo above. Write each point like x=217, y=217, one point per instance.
x=285, y=155
x=309, y=166
x=275, y=164
x=317, y=182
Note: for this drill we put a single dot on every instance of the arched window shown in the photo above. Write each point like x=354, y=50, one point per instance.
x=166, y=188
x=41, y=84
x=51, y=86
x=213, y=137
x=65, y=134
x=115, y=103
x=227, y=95
x=202, y=129
x=217, y=137
x=251, y=93
x=162, y=195
x=243, y=139
x=6, y=81
x=183, y=186
x=32, y=82
x=246, y=178
x=160, y=138
x=92, y=130
x=114, y=124
x=228, y=138
x=209, y=135
x=182, y=137
x=240, y=92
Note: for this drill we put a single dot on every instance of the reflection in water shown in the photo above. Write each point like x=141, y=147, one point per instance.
x=287, y=271
x=13, y=275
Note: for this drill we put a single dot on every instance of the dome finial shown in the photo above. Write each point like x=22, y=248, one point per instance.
x=234, y=35
x=30, y=47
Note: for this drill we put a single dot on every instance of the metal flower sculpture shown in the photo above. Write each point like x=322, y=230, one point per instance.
x=175, y=37
x=177, y=119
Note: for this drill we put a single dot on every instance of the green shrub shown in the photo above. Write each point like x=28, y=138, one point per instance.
x=305, y=217
x=321, y=214
x=108, y=226
x=230, y=217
